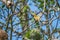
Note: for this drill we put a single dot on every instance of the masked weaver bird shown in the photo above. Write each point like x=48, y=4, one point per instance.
x=37, y=17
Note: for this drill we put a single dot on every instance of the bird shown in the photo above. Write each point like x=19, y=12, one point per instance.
x=3, y=35
x=37, y=17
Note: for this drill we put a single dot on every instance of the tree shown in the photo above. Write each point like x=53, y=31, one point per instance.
x=19, y=21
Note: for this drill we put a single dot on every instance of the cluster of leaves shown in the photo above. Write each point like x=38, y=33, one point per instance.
x=33, y=34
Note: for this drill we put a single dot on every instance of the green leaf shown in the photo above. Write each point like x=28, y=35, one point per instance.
x=40, y=0
x=27, y=34
x=25, y=8
x=41, y=5
x=52, y=2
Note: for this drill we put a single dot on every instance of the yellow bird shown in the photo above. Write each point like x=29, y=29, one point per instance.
x=37, y=17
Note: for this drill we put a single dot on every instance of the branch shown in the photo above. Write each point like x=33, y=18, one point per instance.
x=20, y=33
x=57, y=3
